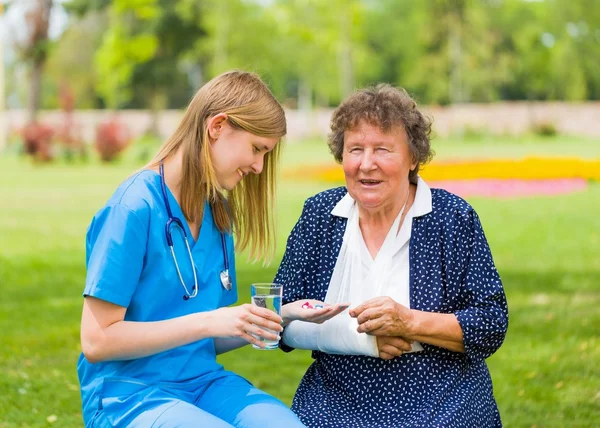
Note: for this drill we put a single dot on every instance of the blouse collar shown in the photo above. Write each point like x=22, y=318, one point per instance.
x=421, y=206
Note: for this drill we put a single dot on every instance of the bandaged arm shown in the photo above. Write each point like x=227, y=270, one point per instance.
x=335, y=336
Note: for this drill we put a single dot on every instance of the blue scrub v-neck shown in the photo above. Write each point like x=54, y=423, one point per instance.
x=207, y=219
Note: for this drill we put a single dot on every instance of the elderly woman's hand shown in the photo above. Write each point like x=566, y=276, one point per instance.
x=313, y=311
x=382, y=316
x=392, y=346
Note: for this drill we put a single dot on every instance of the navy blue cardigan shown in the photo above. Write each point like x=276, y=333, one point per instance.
x=451, y=271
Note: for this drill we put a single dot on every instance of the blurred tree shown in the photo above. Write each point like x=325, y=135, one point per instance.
x=462, y=59
x=34, y=50
x=128, y=42
x=247, y=35
x=554, y=45
x=239, y=34
x=162, y=80
x=325, y=48
x=309, y=50
x=141, y=61
x=393, y=33
x=72, y=60
x=316, y=51
x=576, y=25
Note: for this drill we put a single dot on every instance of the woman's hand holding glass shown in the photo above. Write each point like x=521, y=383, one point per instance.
x=247, y=321
x=310, y=310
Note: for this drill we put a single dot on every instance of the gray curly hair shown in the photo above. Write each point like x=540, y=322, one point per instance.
x=386, y=107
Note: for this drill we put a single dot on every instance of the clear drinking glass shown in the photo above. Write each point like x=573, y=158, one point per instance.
x=267, y=295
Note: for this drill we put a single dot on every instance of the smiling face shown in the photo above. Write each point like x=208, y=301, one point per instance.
x=376, y=166
x=237, y=153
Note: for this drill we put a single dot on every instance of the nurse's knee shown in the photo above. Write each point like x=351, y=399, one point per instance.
x=178, y=415
x=267, y=413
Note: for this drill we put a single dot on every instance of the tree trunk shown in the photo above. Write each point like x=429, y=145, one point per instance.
x=35, y=90
x=456, y=91
x=345, y=56
x=158, y=102
x=40, y=20
x=3, y=121
x=221, y=61
x=304, y=95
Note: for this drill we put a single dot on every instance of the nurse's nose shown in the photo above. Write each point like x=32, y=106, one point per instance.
x=257, y=166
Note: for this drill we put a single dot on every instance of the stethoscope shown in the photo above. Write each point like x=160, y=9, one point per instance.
x=176, y=222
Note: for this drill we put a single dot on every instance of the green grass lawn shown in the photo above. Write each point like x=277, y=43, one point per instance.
x=547, y=250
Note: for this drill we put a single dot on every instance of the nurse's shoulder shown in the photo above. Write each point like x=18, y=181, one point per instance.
x=131, y=202
x=138, y=193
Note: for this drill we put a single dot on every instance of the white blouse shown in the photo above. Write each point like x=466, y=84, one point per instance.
x=357, y=277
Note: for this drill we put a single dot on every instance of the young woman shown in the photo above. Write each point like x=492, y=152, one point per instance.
x=161, y=272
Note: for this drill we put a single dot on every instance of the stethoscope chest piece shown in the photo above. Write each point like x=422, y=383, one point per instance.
x=226, y=279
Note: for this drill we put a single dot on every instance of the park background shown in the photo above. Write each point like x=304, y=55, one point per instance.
x=90, y=88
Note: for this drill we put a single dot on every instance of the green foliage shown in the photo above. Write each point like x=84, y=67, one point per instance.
x=71, y=61
x=155, y=53
x=119, y=54
x=139, y=56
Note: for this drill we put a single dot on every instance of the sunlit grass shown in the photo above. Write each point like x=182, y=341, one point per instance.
x=546, y=249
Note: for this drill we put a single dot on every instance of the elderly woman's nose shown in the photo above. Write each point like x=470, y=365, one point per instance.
x=367, y=161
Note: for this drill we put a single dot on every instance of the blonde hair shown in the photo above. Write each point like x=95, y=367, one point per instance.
x=248, y=209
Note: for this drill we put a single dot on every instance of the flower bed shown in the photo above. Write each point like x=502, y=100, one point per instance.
x=491, y=177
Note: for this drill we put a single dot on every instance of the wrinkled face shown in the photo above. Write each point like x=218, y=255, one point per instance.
x=237, y=153
x=376, y=166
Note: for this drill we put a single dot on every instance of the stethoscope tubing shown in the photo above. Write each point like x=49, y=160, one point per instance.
x=172, y=220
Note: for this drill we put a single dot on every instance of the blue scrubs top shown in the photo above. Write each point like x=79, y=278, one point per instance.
x=129, y=264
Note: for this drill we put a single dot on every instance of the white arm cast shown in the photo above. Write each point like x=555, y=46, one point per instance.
x=335, y=336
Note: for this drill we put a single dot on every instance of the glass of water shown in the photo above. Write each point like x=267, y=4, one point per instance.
x=267, y=295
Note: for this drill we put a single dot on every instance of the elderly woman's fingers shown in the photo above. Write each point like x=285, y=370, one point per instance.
x=370, y=326
x=383, y=330
x=390, y=350
x=387, y=350
x=369, y=314
x=399, y=343
x=378, y=304
x=392, y=346
x=385, y=355
x=355, y=312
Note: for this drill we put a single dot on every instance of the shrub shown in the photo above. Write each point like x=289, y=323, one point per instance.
x=37, y=141
x=545, y=129
x=68, y=133
x=112, y=137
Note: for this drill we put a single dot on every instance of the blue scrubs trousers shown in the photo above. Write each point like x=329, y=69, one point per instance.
x=225, y=402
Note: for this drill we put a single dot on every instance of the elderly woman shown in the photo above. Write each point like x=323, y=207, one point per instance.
x=427, y=304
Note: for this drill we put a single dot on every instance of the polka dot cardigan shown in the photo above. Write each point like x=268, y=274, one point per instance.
x=451, y=271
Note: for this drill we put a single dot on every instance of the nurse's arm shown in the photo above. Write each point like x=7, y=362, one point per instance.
x=225, y=344
x=105, y=335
